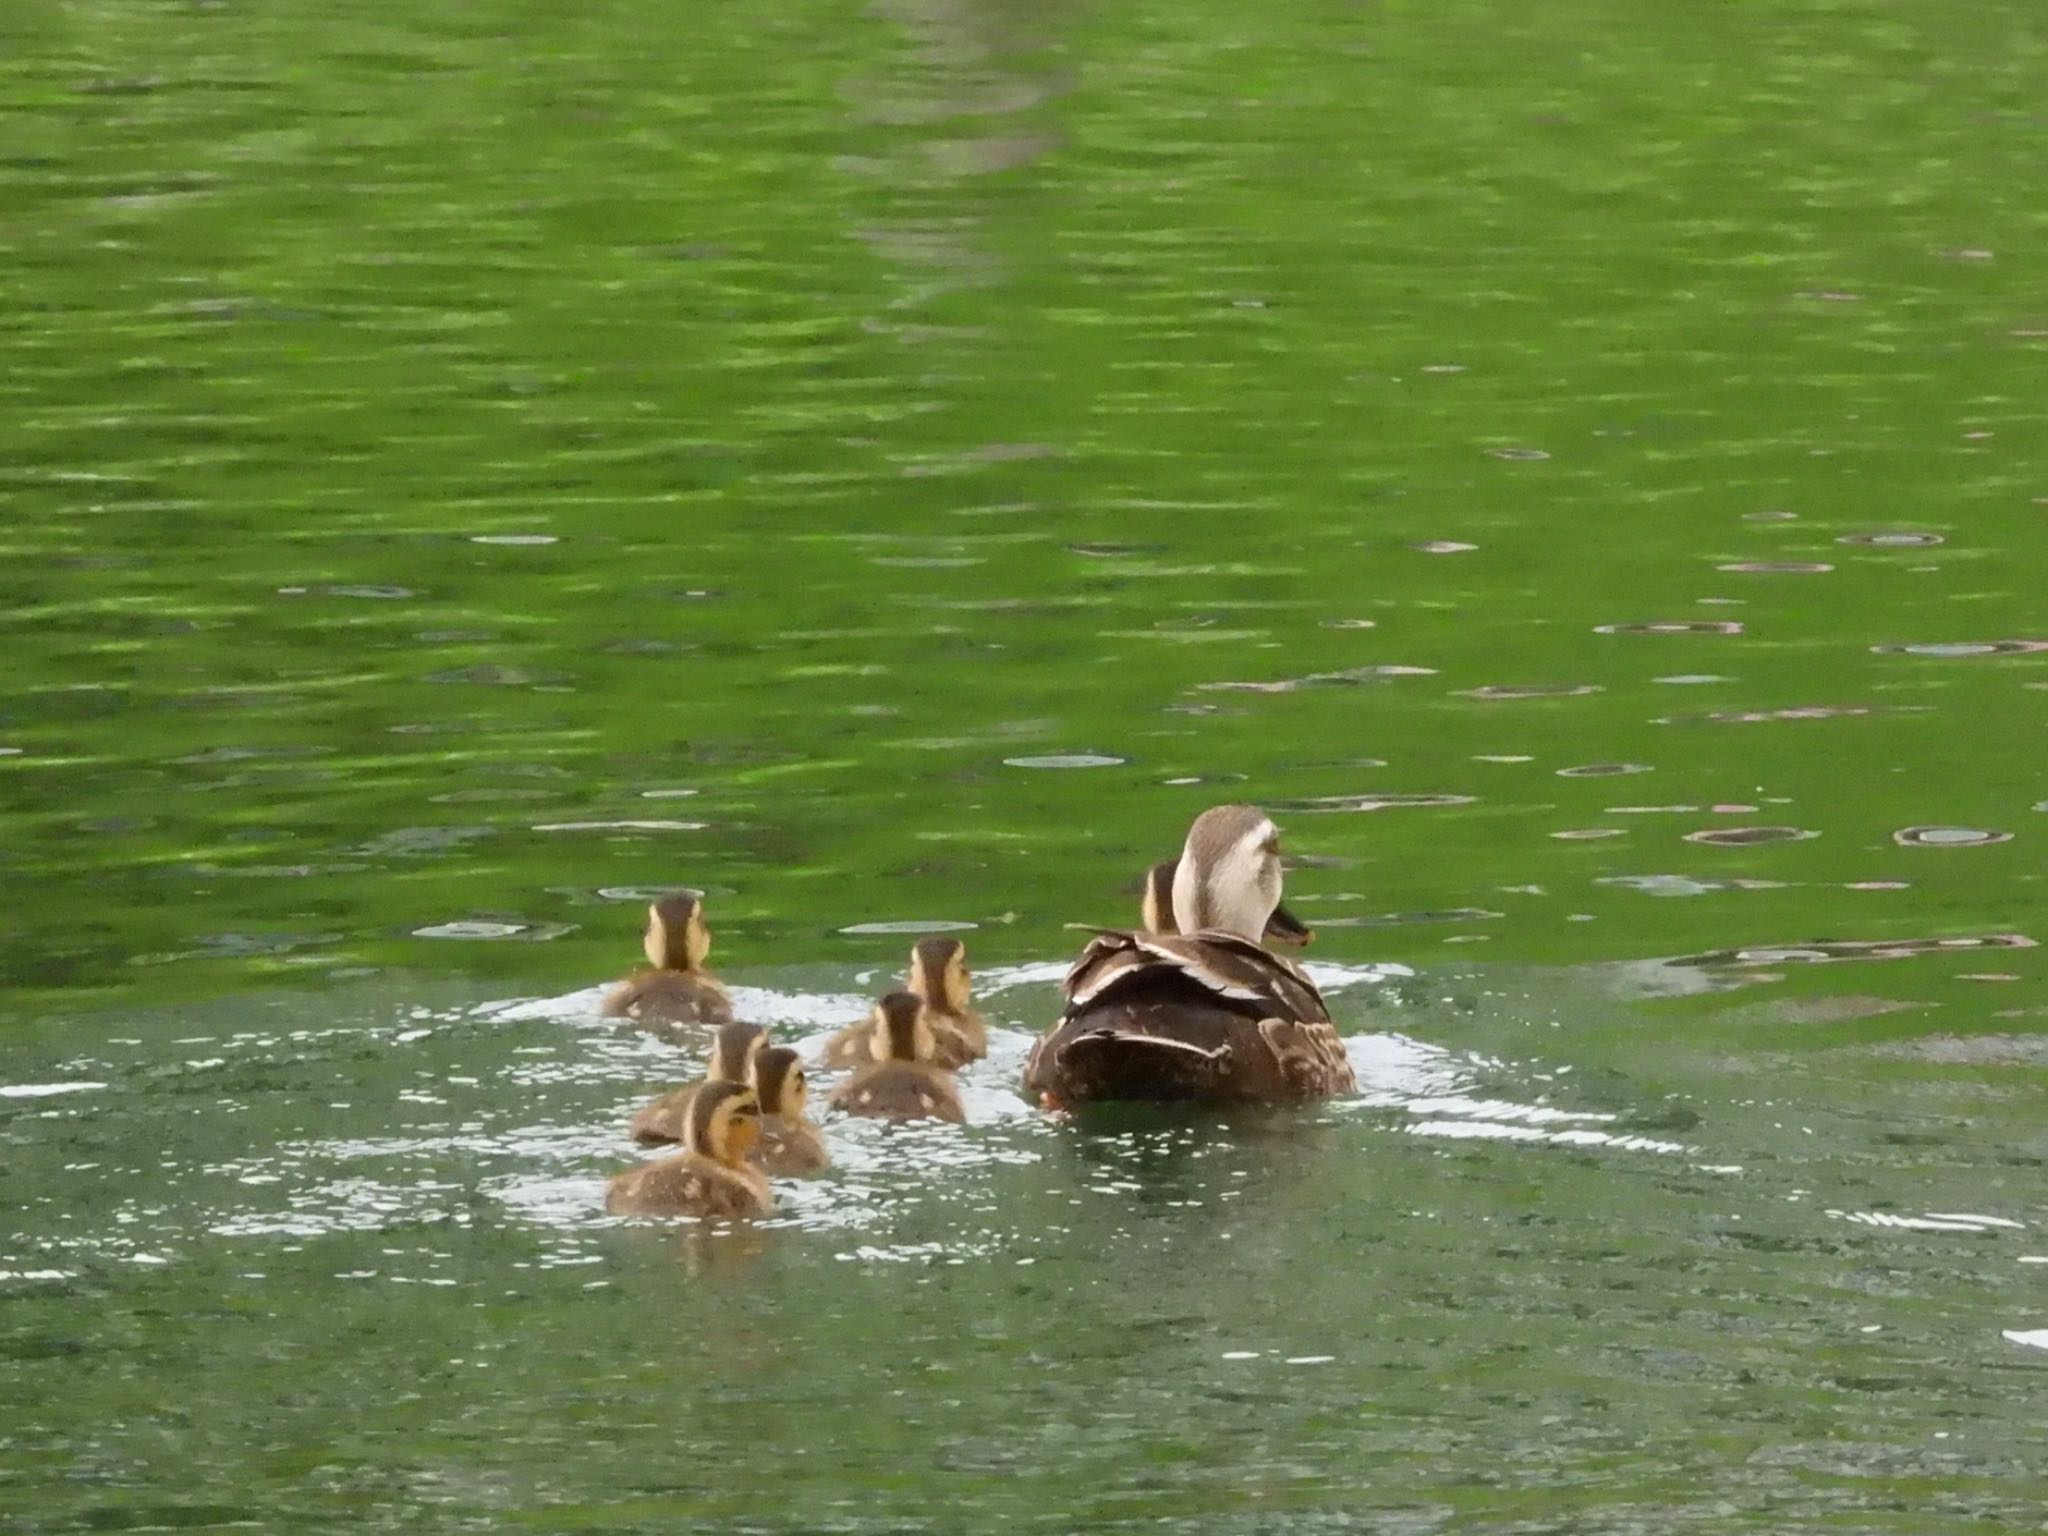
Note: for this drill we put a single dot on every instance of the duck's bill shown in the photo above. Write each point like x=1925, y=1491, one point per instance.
x=1283, y=927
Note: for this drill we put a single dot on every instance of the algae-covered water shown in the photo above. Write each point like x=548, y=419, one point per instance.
x=467, y=469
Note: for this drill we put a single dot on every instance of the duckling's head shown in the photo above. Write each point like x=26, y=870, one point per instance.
x=725, y=1122
x=733, y=1051
x=938, y=973
x=902, y=1032
x=676, y=939
x=1158, y=898
x=779, y=1082
x=1229, y=875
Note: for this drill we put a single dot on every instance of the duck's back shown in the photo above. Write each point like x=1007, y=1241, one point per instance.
x=659, y=1000
x=1206, y=1017
x=663, y=1119
x=900, y=1090
x=688, y=1185
x=790, y=1148
x=849, y=1047
x=959, y=1038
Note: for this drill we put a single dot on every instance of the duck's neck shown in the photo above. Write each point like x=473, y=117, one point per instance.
x=1207, y=906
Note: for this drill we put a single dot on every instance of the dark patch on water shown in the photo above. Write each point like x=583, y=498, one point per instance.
x=1948, y=837
x=1959, y=648
x=1685, y=885
x=1322, y=803
x=1672, y=627
x=1349, y=677
x=1834, y=950
x=1495, y=691
x=1745, y=837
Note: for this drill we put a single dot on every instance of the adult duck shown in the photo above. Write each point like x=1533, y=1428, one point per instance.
x=1207, y=1014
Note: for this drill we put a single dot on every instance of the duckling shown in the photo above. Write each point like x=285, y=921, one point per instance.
x=712, y=1177
x=791, y=1144
x=1156, y=909
x=939, y=976
x=903, y=1081
x=1203, y=1014
x=734, y=1050
x=678, y=991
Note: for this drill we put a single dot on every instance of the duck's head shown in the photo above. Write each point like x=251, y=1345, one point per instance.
x=1282, y=926
x=938, y=974
x=676, y=939
x=1228, y=878
x=733, y=1052
x=1157, y=902
x=901, y=1030
x=779, y=1082
x=725, y=1122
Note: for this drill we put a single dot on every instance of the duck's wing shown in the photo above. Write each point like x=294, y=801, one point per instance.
x=1234, y=969
x=1309, y=1056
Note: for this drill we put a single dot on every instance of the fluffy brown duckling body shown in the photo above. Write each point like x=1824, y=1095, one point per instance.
x=791, y=1144
x=940, y=978
x=903, y=1081
x=676, y=992
x=734, y=1050
x=711, y=1177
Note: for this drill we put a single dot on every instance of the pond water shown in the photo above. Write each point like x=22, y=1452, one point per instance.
x=469, y=469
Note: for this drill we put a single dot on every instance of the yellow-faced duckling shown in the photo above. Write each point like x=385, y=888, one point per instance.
x=677, y=991
x=711, y=1177
x=1205, y=1014
x=903, y=1081
x=939, y=976
x=791, y=1144
x=1156, y=909
x=733, y=1052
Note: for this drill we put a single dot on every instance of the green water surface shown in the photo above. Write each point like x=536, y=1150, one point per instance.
x=465, y=469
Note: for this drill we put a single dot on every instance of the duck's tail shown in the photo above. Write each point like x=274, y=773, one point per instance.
x=1117, y=1064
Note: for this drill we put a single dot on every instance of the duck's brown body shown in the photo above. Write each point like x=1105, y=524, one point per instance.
x=663, y=1119
x=1207, y=1018
x=901, y=1090
x=667, y=1003
x=689, y=1184
x=711, y=1176
x=790, y=1148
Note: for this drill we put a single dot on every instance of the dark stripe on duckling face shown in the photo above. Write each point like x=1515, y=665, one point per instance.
x=938, y=973
x=897, y=1026
x=779, y=1081
x=733, y=1050
x=677, y=939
